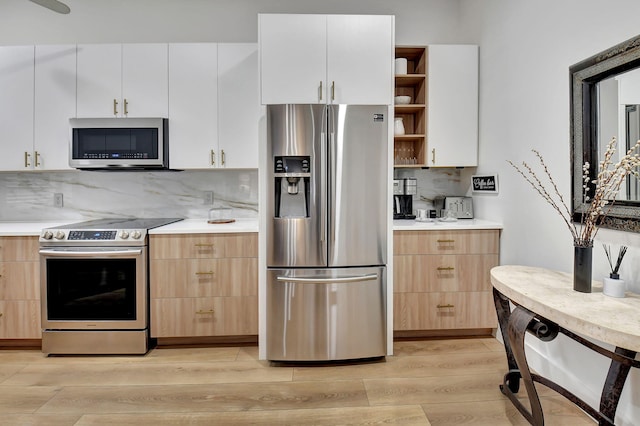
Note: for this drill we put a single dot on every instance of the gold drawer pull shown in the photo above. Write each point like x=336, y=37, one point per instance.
x=201, y=312
x=445, y=268
x=448, y=305
x=204, y=245
x=0, y=314
x=205, y=273
x=446, y=241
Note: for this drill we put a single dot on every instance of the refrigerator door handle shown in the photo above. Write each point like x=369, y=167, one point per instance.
x=359, y=278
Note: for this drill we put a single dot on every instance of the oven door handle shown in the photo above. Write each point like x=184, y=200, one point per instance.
x=68, y=253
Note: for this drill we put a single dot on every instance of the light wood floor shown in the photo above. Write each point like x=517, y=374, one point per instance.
x=437, y=382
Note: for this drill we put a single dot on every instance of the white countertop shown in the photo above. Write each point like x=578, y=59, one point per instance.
x=18, y=229
x=200, y=226
x=437, y=225
x=550, y=294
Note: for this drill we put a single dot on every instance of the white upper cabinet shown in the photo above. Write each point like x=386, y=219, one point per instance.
x=293, y=58
x=55, y=104
x=345, y=59
x=239, y=110
x=452, y=110
x=214, y=105
x=193, y=105
x=360, y=53
x=16, y=104
x=122, y=80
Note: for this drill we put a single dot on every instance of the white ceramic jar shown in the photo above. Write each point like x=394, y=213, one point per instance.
x=401, y=65
x=613, y=287
x=398, y=126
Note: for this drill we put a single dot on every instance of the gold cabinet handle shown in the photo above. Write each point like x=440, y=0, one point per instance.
x=445, y=268
x=222, y=158
x=320, y=90
x=213, y=158
x=205, y=273
x=26, y=159
x=126, y=106
x=0, y=314
x=115, y=107
x=203, y=245
x=38, y=163
x=433, y=156
x=333, y=90
x=203, y=312
x=446, y=241
x=448, y=305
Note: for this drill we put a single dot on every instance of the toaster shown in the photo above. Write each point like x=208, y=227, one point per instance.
x=460, y=207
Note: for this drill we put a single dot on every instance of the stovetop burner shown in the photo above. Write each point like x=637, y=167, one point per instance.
x=103, y=232
x=121, y=223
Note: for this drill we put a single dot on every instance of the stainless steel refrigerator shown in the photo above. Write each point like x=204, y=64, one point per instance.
x=327, y=215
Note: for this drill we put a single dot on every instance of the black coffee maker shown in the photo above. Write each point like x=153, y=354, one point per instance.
x=403, y=192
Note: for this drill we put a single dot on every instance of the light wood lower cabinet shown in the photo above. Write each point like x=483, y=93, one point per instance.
x=204, y=285
x=19, y=288
x=441, y=280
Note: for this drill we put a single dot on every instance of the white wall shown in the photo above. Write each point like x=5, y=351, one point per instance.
x=526, y=48
x=103, y=21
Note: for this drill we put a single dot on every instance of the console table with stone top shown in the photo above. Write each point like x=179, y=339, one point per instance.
x=545, y=304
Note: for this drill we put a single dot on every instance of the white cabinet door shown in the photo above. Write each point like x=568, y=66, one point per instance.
x=452, y=136
x=55, y=104
x=116, y=80
x=99, y=80
x=16, y=107
x=360, y=52
x=239, y=110
x=145, y=90
x=293, y=60
x=193, y=105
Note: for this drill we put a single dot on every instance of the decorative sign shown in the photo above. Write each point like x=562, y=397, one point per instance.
x=484, y=183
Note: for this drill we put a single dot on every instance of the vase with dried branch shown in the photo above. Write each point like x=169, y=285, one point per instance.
x=611, y=176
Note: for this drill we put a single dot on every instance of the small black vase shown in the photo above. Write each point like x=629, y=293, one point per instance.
x=582, y=257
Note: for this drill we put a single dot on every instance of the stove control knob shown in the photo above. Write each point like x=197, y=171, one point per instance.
x=124, y=235
x=47, y=235
x=59, y=235
x=136, y=235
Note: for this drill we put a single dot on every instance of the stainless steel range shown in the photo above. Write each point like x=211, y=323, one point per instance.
x=95, y=286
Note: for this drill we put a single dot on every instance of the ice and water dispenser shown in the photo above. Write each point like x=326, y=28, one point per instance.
x=292, y=185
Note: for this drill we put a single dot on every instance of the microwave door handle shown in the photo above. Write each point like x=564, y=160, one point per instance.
x=64, y=253
x=368, y=277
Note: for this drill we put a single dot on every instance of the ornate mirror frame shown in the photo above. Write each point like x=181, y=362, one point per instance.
x=585, y=75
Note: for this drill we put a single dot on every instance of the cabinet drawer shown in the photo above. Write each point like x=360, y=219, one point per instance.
x=481, y=241
x=20, y=319
x=203, y=246
x=207, y=316
x=449, y=272
x=19, y=248
x=445, y=310
x=204, y=277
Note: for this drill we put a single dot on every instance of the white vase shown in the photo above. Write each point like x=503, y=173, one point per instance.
x=613, y=287
x=398, y=126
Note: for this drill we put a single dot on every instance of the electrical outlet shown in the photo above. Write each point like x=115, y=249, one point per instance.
x=208, y=197
x=58, y=200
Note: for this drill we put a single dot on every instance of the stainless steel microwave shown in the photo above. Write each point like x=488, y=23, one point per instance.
x=119, y=143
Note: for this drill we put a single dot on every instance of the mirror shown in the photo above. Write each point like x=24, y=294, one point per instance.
x=605, y=103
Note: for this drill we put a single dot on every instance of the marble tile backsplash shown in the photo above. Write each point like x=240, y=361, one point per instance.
x=431, y=183
x=91, y=195
x=28, y=196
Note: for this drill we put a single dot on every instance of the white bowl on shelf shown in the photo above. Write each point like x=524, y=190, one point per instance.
x=402, y=100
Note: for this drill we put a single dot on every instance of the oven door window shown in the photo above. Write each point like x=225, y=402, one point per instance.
x=91, y=289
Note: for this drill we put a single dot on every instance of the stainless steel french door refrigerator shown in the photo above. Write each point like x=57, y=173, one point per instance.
x=326, y=232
